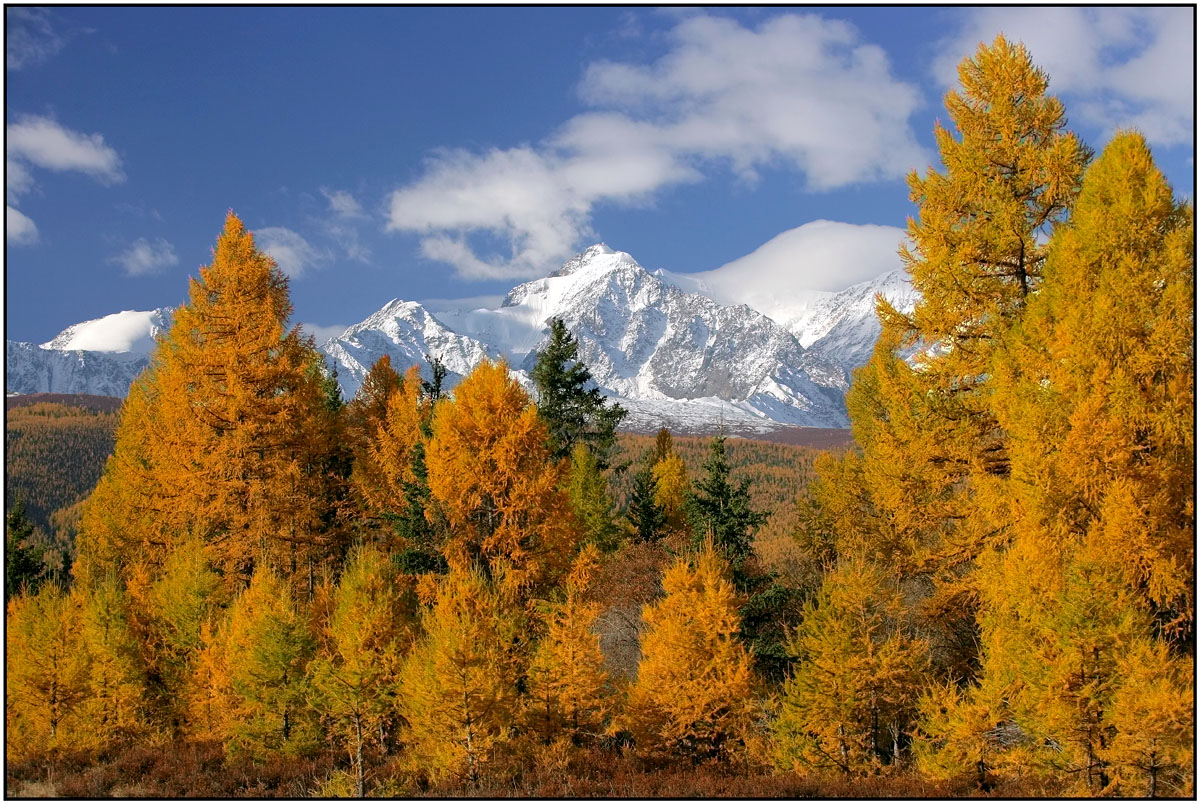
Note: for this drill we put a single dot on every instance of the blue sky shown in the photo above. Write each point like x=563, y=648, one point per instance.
x=443, y=153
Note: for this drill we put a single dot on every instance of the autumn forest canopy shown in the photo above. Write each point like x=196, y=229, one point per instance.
x=479, y=589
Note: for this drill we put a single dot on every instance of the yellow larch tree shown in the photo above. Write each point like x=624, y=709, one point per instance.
x=368, y=633
x=458, y=686
x=853, y=694
x=368, y=409
x=928, y=490
x=493, y=479
x=168, y=611
x=46, y=670
x=1098, y=387
x=1095, y=391
x=569, y=692
x=587, y=490
x=977, y=256
x=671, y=488
x=267, y=648
x=116, y=709
x=1153, y=752
x=235, y=434
x=696, y=691
x=390, y=475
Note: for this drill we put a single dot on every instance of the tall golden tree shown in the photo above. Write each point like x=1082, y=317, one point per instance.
x=569, y=691
x=116, y=709
x=857, y=678
x=494, y=480
x=1095, y=391
x=927, y=493
x=267, y=649
x=1098, y=387
x=978, y=255
x=390, y=475
x=227, y=436
x=46, y=672
x=168, y=611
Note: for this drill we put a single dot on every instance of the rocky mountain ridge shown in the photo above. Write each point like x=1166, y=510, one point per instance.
x=669, y=354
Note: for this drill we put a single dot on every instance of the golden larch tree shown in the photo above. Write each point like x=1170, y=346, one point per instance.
x=569, y=691
x=235, y=433
x=853, y=695
x=458, y=687
x=696, y=691
x=493, y=479
x=267, y=649
x=116, y=709
x=46, y=672
x=1095, y=391
x=368, y=633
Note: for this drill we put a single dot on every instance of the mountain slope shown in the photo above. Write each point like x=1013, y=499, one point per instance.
x=658, y=343
x=662, y=352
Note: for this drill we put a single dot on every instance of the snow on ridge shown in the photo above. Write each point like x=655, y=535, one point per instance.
x=659, y=343
x=127, y=331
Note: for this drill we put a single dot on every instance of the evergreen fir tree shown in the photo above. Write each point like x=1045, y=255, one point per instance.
x=23, y=569
x=573, y=412
x=645, y=515
x=720, y=510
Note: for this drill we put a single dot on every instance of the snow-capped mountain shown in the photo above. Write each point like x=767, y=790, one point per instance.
x=657, y=343
x=844, y=328
x=127, y=331
x=101, y=356
x=408, y=334
x=648, y=343
x=840, y=327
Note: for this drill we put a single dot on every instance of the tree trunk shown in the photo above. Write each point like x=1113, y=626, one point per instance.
x=359, y=789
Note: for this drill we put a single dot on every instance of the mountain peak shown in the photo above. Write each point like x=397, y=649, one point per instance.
x=597, y=256
x=127, y=331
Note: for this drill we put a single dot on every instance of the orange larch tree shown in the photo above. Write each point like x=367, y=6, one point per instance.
x=227, y=437
x=493, y=479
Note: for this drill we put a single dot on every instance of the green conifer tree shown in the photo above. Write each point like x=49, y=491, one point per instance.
x=573, y=412
x=720, y=509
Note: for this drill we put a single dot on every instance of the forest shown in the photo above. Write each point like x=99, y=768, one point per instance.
x=486, y=592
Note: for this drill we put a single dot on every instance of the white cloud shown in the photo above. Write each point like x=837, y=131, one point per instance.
x=29, y=37
x=17, y=179
x=463, y=303
x=820, y=255
x=291, y=252
x=19, y=230
x=44, y=143
x=346, y=214
x=1113, y=67
x=343, y=204
x=145, y=257
x=798, y=90
x=321, y=334
x=41, y=142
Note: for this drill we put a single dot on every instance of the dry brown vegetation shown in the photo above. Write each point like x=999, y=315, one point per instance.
x=199, y=770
